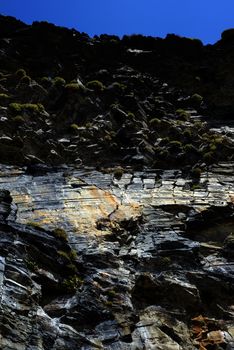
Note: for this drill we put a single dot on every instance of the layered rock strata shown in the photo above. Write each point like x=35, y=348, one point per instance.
x=143, y=256
x=116, y=191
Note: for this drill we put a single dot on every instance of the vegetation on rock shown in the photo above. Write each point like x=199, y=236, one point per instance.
x=117, y=107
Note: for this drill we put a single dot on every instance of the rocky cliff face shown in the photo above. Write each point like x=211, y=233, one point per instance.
x=143, y=257
x=116, y=191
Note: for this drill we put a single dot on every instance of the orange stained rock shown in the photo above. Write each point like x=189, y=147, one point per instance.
x=202, y=335
x=80, y=210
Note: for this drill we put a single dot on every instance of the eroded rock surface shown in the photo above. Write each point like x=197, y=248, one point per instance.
x=116, y=197
x=145, y=253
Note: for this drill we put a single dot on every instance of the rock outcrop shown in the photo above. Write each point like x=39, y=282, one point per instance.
x=67, y=98
x=142, y=256
x=116, y=191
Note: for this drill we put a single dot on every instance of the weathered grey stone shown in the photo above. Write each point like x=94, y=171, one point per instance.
x=140, y=225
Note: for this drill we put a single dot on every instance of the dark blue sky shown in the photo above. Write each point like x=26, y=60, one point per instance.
x=203, y=19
